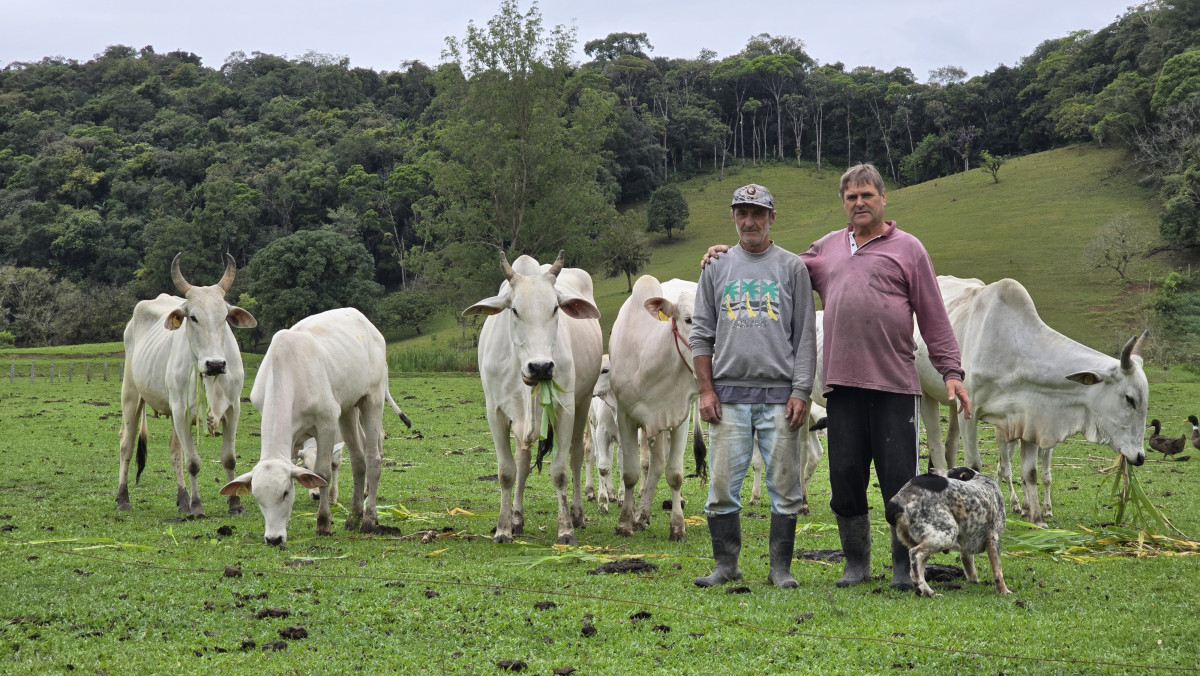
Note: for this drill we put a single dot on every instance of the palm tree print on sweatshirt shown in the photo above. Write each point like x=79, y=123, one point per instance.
x=742, y=295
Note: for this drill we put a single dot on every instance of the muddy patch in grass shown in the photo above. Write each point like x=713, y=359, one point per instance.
x=625, y=566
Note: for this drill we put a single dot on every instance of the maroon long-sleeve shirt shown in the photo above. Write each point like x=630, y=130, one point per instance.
x=870, y=298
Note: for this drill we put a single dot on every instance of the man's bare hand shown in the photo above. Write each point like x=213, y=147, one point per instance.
x=710, y=407
x=956, y=391
x=714, y=252
x=797, y=411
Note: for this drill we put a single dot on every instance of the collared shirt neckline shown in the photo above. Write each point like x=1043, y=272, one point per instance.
x=854, y=247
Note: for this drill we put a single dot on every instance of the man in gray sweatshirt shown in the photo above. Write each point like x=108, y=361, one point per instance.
x=754, y=353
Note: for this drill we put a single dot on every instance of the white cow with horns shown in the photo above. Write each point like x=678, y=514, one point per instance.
x=326, y=377
x=527, y=343
x=1037, y=386
x=162, y=364
x=655, y=389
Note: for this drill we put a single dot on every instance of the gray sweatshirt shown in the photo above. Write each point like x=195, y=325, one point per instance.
x=754, y=316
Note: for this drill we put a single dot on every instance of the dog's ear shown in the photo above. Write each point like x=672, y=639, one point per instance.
x=930, y=482
x=961, y=473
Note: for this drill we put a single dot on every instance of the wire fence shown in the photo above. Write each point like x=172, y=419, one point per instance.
x=59, y=371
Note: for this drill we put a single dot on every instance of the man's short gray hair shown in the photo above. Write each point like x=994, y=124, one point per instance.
x=861, y=174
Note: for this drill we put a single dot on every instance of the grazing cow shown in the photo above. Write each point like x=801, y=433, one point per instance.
x=655, y=388
x=1039, y=387
x=306, y=457
x=162, y=364
x=326, y=377
x=810, y=456
x=526, y=343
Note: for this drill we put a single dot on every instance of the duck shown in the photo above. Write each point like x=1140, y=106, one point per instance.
x=1165, y=445
x=1195, y=431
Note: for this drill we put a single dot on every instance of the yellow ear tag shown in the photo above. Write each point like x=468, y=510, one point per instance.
x=242, y=491
x=662, y=317
x=176, y=321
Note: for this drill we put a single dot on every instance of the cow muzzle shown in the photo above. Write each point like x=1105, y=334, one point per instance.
x=274, y=540
x=214, y=367
x=538, y=372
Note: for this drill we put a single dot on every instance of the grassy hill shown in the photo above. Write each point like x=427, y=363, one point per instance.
x=1032, y=226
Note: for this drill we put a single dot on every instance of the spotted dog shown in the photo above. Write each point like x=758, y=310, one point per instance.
x=957, y=509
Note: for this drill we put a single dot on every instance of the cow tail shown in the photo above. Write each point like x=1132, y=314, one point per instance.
x=403, y=418
x=141, y=449
x=545, y=446
x=699, y=448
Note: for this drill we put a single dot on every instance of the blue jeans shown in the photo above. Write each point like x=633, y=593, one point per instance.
x=732, y=445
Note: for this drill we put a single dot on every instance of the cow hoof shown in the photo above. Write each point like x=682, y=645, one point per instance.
x=518, y=529
x=590, y=495
x=676, y=535
x=354, y=522
x=803, y=511
x=123, y=506
x=502, y=539
x=567, y=539
x=236, y=510
x=623, y=531
x=603, y=508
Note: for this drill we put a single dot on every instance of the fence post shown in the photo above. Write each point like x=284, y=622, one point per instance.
x=12, y=371
x=51, y=373
x=88, y=370
x=70, y=371
x=106, y=369
x=120, y=371
x=32, y=370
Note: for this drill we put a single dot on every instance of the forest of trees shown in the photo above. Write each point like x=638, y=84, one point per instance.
x=392, y=191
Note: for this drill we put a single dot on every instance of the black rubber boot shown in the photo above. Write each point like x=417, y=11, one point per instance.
x=726, y=534
x=855, y=533
x=901, y=565
x=782, y=546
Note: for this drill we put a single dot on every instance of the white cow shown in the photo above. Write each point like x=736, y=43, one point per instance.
x=810, y=457
x=655, y=387
x=161, y=367
x=525, y=343
x=599, y=439
x=326, y=377
x=1039, y=387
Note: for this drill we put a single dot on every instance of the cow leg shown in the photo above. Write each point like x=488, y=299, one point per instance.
x=810, y=456
x=602, y=449
x=1004, y=449
x=1046, y=455
x=629, y=472
x=229, y=424
x=132, y=408
x=561, y=480
x=506, y=474
x=1030, y=508
x=524, y=464
x=993, y=552
x=675, y=479
x=589, y=461
x=182, y=501
x=580, y=426
x=931, y=420
x=756, y=473
x=970, y=430
x=654, y=454
x=356, y=445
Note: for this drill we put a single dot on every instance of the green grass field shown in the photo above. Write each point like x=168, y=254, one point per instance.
x=84, y=588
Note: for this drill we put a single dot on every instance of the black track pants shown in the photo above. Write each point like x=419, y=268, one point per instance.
x=868, y=426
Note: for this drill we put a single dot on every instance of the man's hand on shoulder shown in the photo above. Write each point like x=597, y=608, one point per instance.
x=714, y=252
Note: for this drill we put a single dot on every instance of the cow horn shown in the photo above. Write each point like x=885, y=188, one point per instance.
x=505, y=267
x=1133, y=347
x=557, y=266
x=176, y=276
x=230, y=271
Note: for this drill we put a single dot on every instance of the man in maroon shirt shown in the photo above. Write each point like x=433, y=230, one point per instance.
x=872, y=279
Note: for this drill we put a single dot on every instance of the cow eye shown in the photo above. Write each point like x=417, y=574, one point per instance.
x=603, y=371
x=193, y=318
x=1132, y=403
x=688, y=320
x=554, y=311
x=515, y=313
x=286, y=493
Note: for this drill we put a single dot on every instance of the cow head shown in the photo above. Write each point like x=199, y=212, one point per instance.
x=533, y=302
x=1117, y=399
x=271, y=483
x=679, y=312
x=204, y=315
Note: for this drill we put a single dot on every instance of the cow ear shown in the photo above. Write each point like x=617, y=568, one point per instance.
x=489, y=306
x=578, y=308
x=1086, y=377
x=307, y=478
x=175, y=319
x=239, y=486
x=660, y=308
x=240, y=319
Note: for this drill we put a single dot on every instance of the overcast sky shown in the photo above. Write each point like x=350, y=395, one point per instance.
x=382, y=35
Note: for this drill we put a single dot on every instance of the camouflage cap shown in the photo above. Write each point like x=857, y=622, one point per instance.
x=753, y=194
